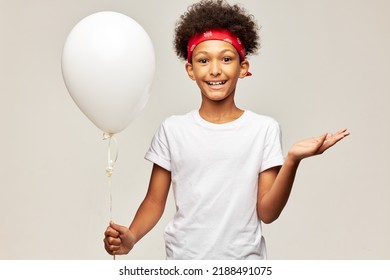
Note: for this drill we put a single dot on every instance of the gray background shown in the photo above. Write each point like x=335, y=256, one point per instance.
x=323, y=65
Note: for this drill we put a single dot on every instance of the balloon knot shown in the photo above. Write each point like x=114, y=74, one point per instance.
x=109, y=171
x=107, y=135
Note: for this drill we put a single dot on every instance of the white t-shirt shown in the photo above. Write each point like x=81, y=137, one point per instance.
x=214, y=170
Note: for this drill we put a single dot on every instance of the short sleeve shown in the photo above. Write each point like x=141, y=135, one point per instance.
x=272, y=154
x=159, y=152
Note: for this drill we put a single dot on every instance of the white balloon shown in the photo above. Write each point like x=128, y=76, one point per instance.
x=108, y=64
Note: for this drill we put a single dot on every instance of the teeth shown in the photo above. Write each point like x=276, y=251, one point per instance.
x=216, y=83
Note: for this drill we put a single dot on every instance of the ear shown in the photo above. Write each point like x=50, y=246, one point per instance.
x=244, y=68
x=190, y=70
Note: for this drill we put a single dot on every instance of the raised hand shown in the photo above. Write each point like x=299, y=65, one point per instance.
x=315, y=146
x=118, y=240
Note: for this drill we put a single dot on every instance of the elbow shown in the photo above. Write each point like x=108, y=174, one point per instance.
x=269, y=219
x=268, y=214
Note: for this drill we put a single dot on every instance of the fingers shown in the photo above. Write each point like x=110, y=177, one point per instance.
x=111, y=232
x=111, y=240
x=332, y=139
x=111, y=249
x=343, y=133
x=337, y=136
x=118, y=228
x=112, y=245
x=344, y=130
x=118, y=239
x=320, y=141
x=115, y=230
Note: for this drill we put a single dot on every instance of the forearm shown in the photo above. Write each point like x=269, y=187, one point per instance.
x=147, y=216
x=274, y=196
x=273, y=202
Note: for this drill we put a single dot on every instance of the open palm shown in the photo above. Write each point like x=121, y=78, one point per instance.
x=317, y=145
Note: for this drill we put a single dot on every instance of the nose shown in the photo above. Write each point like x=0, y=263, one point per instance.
x=215, y=68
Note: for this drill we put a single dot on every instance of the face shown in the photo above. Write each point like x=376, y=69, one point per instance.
x=216, y=67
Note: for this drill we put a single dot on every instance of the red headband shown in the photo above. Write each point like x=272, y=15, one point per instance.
x=216, y=34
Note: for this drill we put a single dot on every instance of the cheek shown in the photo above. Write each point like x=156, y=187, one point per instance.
x=199, y=73
x=232, y=69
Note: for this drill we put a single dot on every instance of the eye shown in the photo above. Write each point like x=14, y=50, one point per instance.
x=227, y=59
x=202, y=60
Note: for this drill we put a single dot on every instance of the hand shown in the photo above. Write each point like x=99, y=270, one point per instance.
x=315, y=146
x=118, y=240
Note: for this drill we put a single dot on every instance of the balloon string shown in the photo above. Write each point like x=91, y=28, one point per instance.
x=110, y=190
x=111, y=162
x=110, y=166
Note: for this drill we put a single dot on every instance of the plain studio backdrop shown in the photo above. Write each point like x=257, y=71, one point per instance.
x=323, y=65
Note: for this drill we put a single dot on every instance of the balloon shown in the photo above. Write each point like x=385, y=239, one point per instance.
x=108, y=65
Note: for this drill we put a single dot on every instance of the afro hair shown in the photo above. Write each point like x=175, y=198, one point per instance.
x=209, y=14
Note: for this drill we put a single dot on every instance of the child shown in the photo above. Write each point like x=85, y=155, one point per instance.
x=225, y=164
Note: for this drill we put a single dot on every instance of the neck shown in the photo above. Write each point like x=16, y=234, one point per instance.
x=219, y=113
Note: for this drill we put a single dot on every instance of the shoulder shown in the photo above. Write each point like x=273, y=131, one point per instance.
x=261, y=120
x=175, y=120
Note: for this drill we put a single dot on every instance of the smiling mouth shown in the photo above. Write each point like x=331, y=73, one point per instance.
x=219, y=83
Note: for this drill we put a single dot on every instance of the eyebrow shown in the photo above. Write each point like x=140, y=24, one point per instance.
x=221, y=52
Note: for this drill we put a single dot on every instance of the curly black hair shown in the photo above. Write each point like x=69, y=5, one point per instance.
x=208, y=14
